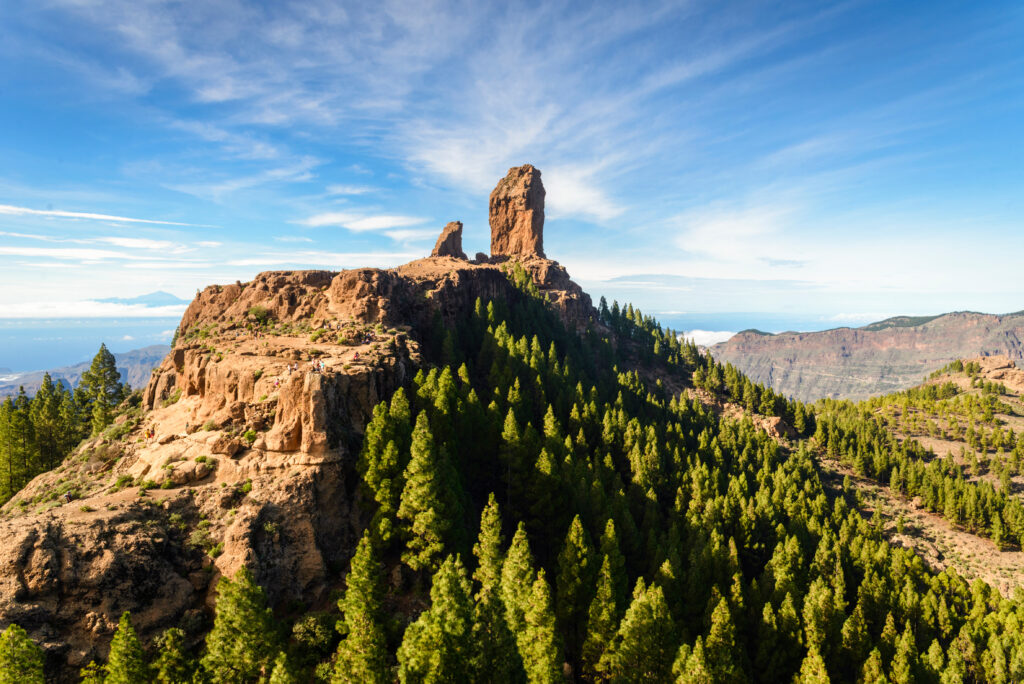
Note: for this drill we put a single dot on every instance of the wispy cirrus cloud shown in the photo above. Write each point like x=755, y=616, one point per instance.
x=167, y=246
x=360, y=222
x=341, y=189
x=10, y=210
x=86, y=309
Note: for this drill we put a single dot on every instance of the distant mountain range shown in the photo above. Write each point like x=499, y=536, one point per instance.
x=134, y=366
x=855, y=363
x=158, y=298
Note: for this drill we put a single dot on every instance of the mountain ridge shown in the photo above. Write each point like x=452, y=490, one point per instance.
x=880, y=357
x=134, y=365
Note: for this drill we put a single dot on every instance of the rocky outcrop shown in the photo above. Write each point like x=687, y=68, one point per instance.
x=246, y=447
x=517, y=214
x=449, y=244
x=856, y=363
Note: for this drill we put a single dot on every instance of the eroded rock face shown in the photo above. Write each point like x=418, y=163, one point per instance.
x=449, y=244
x=247, y=446
x=517, y=214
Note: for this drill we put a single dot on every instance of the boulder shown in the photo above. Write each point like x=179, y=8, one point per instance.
x=517, y=214
x=449, y=244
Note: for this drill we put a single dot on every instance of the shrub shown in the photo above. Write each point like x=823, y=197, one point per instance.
x=260, y=315
x=172, y=399
x=249, y=436
x=122, y=482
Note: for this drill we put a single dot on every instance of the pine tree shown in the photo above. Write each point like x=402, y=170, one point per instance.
x=691, y=666
x=496, y=658
x=575, y=586
x=127, y=662
x=21, y=661
x=283, y=673
x=873, y=672
x=429, y=501
x=539, y=643
x=488, y=549
x=644, y=647
x=91, y=674
x=362, y=654
x=813, y=671
x=904, y=663
x=723, y=656
x=611, y=550
x=438, y=646
x=101, y=413
x=245, y=638
x=172, y=665
x=517, y=575
x=101, y=384
x=602, y=621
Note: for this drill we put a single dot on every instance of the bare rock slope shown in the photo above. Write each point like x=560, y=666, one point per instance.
x=242, y=451
x=855, y=363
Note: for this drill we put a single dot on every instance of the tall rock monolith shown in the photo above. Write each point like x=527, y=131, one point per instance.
x=517, y=214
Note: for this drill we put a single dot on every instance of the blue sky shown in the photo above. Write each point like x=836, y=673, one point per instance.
x=850, y=160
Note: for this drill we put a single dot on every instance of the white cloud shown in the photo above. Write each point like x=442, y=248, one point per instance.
x=358, y=223
x=299, y=171
x=208, y=243
x=383, y=222
x=167, y=264
x=573, y=192
x=706, y=338
x=292, y=238
x=87, y=309
x=412, y=235
x=139, y=243
x=127, y=338
x=74, y=253
x=729, y=233
x=349, y=189
x=11, y=210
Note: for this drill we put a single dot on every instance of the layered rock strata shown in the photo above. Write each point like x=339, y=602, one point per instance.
x=856, y=363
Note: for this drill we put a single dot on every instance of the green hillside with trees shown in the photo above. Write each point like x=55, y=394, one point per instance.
x=38, y=432
x=547, y=506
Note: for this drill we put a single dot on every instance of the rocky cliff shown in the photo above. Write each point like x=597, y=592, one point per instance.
x=856, y=363
x=243, y=448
